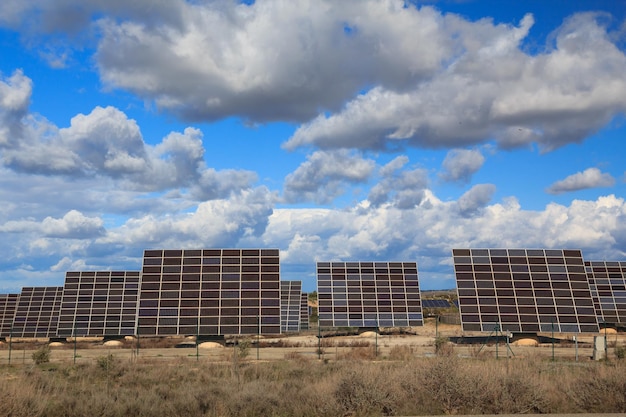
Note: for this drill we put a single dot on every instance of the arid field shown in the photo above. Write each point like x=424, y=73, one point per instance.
x=352, y=375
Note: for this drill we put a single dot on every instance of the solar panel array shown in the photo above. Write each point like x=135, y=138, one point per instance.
x=431, y=303
x=99, y=303
x=607, y=282
x=290, y=300
x=522, y=290
x=209, y=292
x=37, y=312
x=8, y=304
x=304, y=311
x=368, y=294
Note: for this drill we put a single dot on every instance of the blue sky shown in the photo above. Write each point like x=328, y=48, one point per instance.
x=352, y=130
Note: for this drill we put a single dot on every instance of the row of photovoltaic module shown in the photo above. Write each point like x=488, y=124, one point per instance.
x=536, y=290
x=233, y=291
x=208, y=292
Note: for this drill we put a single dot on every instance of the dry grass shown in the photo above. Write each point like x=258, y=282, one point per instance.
x=356, y=385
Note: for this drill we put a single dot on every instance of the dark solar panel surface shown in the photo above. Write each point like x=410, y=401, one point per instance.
x=37, y=312
x=368, y=294
x=523, y=290
x=607, y=282
x=8, y=304
x=290, y=299
x=209, y=292
x=99, y=303
x=436, y=303
x=304, y=311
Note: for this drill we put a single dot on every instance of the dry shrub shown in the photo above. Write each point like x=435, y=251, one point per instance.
x=357, y=353
x=443, y=347
x=302, y=387
x=356, y=343
x=294, y=356
x=597, y=389
x=401, y=353
x=366, y=391
x=453, y=386
x=23, y=400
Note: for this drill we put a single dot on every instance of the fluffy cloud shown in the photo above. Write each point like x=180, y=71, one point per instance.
x=250, y=60
x=106, y=144
x=493, y=90
x=253, y=60
x=476, y=198
x=74, y=225
x=427, y=233
x=15, y=93
x=460, y=164
x=320, y=178
x=215, y=223
x=402, y=188
x=362, y=74
x=432, y=80
x=589, y=178
x=71, y=16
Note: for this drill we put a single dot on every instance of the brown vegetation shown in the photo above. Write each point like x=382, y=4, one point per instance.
x=356, y=385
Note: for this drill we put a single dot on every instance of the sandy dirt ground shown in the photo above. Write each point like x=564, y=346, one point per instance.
x=368, y=345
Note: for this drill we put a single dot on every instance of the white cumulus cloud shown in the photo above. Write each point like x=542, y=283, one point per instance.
x=589, y=178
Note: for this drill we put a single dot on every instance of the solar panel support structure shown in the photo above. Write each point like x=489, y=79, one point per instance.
x=137, y=353
x=319, y=341
x=376, y=345
x=498, y=332
x=552, y=324
x=198, y=339
x=258, y=336
x=74, y=335
x=10, y=343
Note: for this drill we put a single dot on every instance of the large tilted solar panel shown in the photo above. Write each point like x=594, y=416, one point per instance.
x=523, y=290
x=209, y=292
x=37, y=312
x=607, y=282
x=99, y=303
x=368, y=294
x=8, y=304
x=304, y=311
x=290, y=299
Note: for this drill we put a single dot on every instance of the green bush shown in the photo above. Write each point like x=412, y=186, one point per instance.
x=42, y=355
x=443, y=346
x=243, y=348
x=106, y=363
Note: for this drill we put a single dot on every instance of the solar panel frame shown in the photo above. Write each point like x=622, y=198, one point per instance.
x=523, y=291
x=8, y=305
x=99, y=303
x=368, y=294
x=607, y=282
x=37, y=312
x=209, y=292
x=290, y=300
